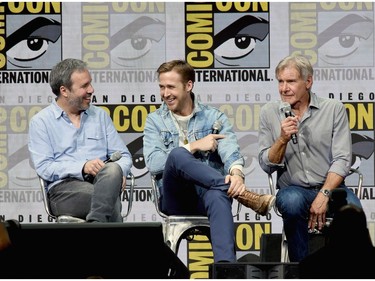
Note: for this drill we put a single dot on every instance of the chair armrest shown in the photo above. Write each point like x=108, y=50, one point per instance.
x=156, y=195
x=130, y=183
x=272, y=187
x=358, y=192
x=43, y=186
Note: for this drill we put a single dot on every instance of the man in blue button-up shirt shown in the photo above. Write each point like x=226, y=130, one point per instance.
x=69, y=141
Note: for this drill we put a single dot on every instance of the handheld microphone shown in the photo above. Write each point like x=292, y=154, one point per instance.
x=113, y=158
x=216, y=127
x=288, y=112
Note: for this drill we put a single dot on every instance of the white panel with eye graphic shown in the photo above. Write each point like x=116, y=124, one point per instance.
x=344, y=38
x=243, y=42
x=34, y=43
x=137, y=41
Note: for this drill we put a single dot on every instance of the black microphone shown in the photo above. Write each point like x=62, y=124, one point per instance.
x=216, y=127
x=113, y=158
x=288, y=112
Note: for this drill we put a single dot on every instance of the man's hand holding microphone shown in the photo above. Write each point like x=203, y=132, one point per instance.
x=92, y=167
x=290, y=126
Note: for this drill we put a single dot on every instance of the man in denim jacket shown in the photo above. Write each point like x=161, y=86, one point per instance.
x=194, y=152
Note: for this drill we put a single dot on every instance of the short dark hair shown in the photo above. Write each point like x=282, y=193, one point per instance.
x=61, y=74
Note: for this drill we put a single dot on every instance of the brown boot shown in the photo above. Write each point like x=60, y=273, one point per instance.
x=260, y=203
x=4, y=237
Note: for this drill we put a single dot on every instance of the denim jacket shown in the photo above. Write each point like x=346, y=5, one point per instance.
x=161, y=136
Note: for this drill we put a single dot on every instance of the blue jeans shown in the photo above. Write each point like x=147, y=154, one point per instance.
x=294, y=202
x=99, y=201
x=191, y=187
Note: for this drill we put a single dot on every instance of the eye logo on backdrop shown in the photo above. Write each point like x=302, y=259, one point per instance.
x=239, y=43
x=134, y=42
x=227, y=34
x=338, y=39
x=363, y=148
x=333, y=34
x=345, y=39
x=123, y=35
x=32, y=35
x=30, y=44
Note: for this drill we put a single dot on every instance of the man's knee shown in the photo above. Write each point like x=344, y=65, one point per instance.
x=290, y=202
x=289, y=196
x=176, y=153
x=112, y=169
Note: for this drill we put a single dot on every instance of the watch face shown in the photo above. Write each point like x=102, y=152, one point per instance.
x=326, y=192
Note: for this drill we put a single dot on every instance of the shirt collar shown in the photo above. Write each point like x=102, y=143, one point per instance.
x=59, y=112
x=314, y=102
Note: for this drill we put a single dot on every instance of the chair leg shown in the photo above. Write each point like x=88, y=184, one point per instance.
x=284, y=248
x=173, y=233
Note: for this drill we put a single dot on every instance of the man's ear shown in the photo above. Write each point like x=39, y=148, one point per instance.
x=309, y=82
x=63, y=91
x=189, y=86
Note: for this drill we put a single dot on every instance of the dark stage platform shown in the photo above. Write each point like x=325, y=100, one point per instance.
x=84, y=250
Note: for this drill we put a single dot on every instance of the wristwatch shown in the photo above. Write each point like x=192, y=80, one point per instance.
x=326, y=192
x=238, y=173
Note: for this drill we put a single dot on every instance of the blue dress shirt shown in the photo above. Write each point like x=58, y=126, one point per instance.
x=59, y=150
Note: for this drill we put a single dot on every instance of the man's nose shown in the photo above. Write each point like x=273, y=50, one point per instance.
x=90, y=89
x=284, y=86
x=165, y=93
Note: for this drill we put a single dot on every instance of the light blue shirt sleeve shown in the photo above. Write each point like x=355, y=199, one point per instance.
x=59, y=150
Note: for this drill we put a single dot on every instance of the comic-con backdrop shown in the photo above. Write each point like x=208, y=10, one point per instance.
x=234, y=47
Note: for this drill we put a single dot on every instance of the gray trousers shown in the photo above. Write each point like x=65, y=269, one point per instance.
x=95, y=202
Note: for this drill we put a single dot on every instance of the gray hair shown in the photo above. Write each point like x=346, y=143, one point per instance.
x=301, y=63
x=61, y=74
